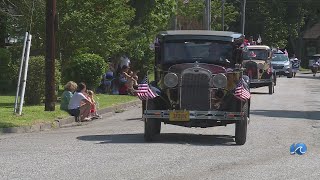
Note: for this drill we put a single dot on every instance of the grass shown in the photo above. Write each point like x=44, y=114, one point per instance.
x=303, y=69
x=36, y=114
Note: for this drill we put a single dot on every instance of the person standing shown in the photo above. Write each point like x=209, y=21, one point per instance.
x=79, y=105
x=295, y=66
x=67, y=94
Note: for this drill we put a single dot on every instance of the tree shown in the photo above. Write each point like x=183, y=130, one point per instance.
x=94, y=26
x=150, y=18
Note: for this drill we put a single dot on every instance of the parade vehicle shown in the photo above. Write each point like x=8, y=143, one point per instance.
x=281, y=65
x=257, y=64
x=199, y=83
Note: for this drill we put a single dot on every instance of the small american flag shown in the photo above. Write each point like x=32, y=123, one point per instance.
x=241, y=92
x=144, y=92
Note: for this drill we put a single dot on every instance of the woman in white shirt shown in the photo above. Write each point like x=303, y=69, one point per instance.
x=79, y=105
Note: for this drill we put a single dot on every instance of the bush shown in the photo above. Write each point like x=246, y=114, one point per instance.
x=7, y=69
x=35, y=87
x=87, y=68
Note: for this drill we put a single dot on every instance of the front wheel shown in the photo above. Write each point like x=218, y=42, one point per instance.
x=152, y=127
x=241, y=126
x=271, y=88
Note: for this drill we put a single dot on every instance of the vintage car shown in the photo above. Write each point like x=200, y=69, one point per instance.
x=200, y=82
x=257, y=64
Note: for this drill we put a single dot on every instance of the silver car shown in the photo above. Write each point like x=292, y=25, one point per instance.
x=281, y=65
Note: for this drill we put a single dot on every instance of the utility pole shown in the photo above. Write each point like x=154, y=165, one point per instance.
x=50, y=56
x=207, y=15
x=222, y=9
x=243, y=15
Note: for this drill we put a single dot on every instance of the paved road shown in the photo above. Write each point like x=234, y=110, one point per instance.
x=113, y=148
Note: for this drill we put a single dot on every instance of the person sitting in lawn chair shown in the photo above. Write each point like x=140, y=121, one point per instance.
x=108, y=82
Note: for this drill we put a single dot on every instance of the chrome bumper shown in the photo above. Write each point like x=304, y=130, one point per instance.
x=253, y=81
x=197, y=115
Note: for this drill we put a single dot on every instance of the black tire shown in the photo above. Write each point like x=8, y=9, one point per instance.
x=271, y=88
x=152, y=127
x=290, y=75
x=241, y=127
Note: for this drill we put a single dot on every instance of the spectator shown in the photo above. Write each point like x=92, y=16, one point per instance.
x=93, y=111
x=79, y=104
x=295, y=66
x=67, y=94
x=123, y=80
x=132, y=81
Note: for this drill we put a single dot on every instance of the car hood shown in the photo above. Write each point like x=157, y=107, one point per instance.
x=280, y=62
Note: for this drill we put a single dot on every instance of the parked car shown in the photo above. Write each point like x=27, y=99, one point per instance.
x=281, y=65
x=198, y=75
x=257, y=64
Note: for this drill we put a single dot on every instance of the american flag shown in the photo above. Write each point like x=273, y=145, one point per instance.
x=144, y=92
x=241, y=92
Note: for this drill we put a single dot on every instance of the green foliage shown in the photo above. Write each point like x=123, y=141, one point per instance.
x=35, y=85
x=151, y=17
x=87, y=68
x=7, y=69
x=98, y=26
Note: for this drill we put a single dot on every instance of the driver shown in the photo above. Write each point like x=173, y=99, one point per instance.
x=215, y=52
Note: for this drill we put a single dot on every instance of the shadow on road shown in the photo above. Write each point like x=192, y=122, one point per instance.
x=165, y=138
x=308, y=77
x=312, y=115
x=260, y=93
x=134, y=119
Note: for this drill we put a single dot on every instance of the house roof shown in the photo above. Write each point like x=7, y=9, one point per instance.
x=313, y=32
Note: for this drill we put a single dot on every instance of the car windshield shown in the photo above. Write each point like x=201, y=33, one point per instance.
x=280, y=57
x=258, y=54
x=194, y=50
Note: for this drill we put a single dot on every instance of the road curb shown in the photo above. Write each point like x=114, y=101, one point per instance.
x=66, y=122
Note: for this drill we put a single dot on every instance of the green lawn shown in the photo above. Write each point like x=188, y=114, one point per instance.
x=36, y=114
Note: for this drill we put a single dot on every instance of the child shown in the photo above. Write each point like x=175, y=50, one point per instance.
x=132, y=82
x=93, y=111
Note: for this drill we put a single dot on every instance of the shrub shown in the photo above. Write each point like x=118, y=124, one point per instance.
x=87, y=68
x=7, y=69
x=35, y=87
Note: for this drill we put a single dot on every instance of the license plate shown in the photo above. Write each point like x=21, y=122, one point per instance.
x=179, y=116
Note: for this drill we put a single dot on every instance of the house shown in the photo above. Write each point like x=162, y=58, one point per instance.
x=311, y=43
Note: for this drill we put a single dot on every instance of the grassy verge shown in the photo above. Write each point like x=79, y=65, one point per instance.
x=303, y=69
x=36, y=114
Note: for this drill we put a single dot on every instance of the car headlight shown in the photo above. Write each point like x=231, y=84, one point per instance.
x=171, y=80
x=219, y=81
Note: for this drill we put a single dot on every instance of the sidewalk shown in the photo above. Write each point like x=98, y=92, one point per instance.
x=67, y=122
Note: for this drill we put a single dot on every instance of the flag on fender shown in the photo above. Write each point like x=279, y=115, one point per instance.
x=241, y=92
x=144, y=91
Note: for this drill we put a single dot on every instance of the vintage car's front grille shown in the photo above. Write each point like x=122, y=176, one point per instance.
x=277, y=67
x=194, y=91
x=251, y=69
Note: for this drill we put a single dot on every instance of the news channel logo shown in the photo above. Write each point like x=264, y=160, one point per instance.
x=298, y=148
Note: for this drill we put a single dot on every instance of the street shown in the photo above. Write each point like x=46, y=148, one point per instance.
x=113, y=147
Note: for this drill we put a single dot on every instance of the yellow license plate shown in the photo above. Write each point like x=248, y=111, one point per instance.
x=179, y=116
